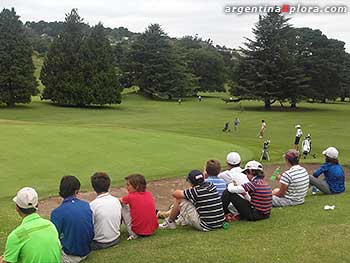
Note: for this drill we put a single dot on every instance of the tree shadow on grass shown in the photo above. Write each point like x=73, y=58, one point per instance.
x=87, y=107
x=275, y=109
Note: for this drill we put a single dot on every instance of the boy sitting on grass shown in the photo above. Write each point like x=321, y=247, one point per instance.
x=138, y=208
x=211, y=170
x=199, y=206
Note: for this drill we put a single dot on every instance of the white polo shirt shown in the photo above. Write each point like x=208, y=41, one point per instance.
x=107, y=216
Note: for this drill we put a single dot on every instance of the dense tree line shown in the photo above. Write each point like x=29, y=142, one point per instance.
x=90, y=65
x=287, y=64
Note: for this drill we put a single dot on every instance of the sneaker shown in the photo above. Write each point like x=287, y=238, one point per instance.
x=131, y=237
x=167, y=225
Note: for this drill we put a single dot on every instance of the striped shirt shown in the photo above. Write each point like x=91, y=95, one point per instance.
x=208, y=204
x=297, y=180
x=220, y=184
x=260, y=193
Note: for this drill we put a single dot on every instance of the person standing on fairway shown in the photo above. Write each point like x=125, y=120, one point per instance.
x=298, y=135
x=35, y=240
x=262, y=129
x=235, y=123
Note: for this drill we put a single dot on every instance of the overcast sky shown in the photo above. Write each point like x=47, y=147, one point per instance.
x=182, y=17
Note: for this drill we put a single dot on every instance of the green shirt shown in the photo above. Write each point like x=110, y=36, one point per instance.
x=35, y=240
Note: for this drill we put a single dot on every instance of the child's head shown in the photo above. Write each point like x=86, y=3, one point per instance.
x=212, y=167
x=253, y=169
x=136, y=183
x=331, y=154
x=233, y=159
x=195, y=177
x=292, y=157
x=100, y=182
x=69, y=186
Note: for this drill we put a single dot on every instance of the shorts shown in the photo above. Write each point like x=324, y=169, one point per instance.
x=189, y=216
x=297, y=139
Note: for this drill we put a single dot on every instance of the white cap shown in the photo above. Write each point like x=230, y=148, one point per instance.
x=331, y=152
x=233, y=158
x=253, y=165
x=27, y=197
x=297, y=126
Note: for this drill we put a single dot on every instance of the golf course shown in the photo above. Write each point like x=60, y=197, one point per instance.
x=42, y=142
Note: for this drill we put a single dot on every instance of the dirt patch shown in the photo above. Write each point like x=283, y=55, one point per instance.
x=161, y=190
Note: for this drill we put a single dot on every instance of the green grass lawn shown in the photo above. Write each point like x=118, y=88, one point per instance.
x=41, y=142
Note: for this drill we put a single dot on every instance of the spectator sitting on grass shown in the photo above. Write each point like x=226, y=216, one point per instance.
x=334, y=181
x=199, y=206
x=35, y=239
x=73, y=221
x=138, y=208
x=294, y=183
x=261, y=195
x=211, y=170
x=106, y=210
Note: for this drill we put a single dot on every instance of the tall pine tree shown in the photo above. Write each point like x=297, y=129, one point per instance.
x=61, y=73
x=101, y=85
x=17, y=82
x=267, y=70
x=154, y=64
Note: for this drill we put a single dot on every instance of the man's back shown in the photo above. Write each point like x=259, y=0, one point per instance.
x=34, y=241
x=73, y=220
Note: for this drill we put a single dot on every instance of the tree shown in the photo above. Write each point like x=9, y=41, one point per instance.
x=266, y=69
x=322, y=60
x=155, y=65
x=208, y=66
x=61, y=73
x=101, y=85
x=17, y=82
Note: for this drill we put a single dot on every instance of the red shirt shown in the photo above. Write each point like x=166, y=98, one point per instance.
x=143, y=212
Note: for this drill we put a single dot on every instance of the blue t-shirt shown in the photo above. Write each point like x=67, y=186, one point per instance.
x=219, y=183
x=73, y=220
x=334, y=176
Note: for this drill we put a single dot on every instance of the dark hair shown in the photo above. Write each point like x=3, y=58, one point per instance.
x=262, y=121
x=100, y=182
x=258, y=173
x=137, y=181
x=293, y=161
x=331, y=160
x=27, y=211
x=213, y=167
x=69, y=185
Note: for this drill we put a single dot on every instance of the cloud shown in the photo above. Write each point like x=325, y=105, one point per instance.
x=180, y=17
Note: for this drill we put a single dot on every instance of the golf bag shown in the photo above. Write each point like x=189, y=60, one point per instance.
x=306, y=146
x=265, y=151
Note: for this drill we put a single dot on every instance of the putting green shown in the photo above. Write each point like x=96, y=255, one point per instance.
x=38, y=155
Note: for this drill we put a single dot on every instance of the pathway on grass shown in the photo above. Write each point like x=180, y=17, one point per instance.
x=161, y=190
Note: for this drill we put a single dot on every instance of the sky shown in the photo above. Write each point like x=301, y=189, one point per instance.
x=178, y=18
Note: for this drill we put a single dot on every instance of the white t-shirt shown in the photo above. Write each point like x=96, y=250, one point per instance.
x=235, y=174
x=107, y=216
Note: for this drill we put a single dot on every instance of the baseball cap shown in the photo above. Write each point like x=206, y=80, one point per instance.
x=291, y=155
x=195, y=177
x=26, y=198
x=331, y=152
x=233, y=158
x=297, y=126
x=252, y=165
